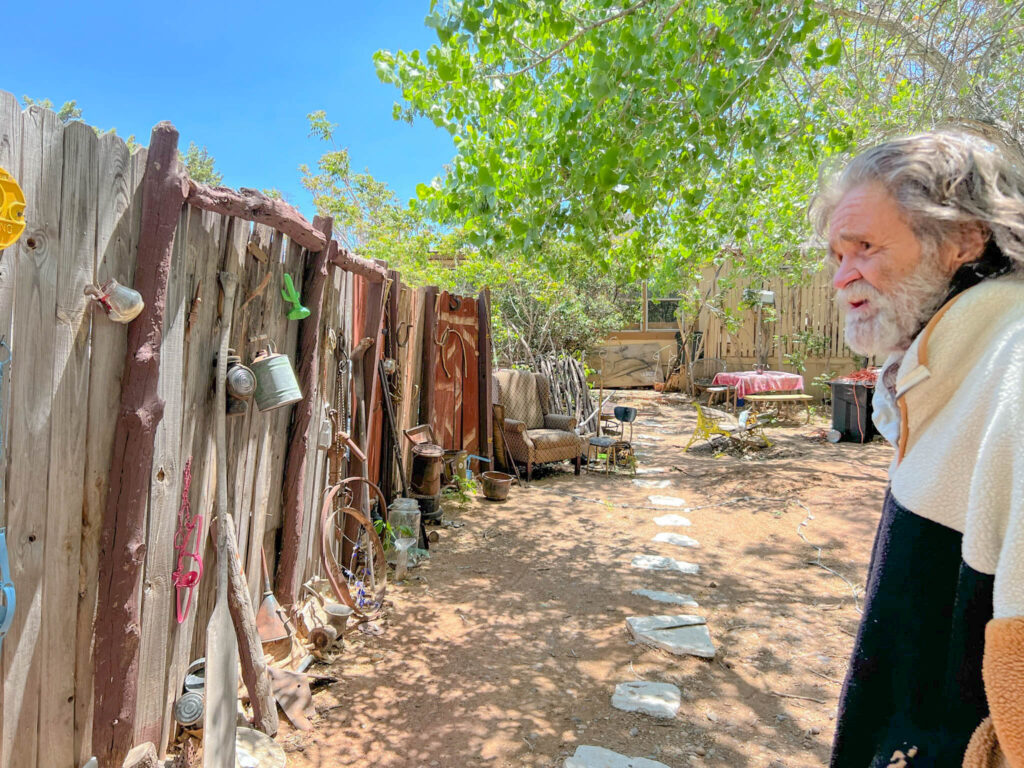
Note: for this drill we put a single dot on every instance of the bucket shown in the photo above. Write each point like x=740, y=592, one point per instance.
x=430, y=507
x=427, y=460
x=276, y=385
x=456, y=465
x=496, y=485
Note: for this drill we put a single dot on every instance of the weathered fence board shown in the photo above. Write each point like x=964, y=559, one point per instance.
x=31, y=403
x=61, y=405
x=164, y=497
x=10, y=158
x=70, y=386
x=118, y=209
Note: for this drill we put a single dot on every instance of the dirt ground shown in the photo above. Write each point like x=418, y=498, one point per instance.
x=505, y=647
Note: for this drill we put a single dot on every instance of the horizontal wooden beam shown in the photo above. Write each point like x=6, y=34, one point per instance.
x=348, y=261
x=253, y=205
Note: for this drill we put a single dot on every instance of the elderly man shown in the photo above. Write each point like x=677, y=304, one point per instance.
x=926, y=237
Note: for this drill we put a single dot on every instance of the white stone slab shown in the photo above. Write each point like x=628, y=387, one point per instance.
x=598, y=757
x=671, y=520
x=652, y=470
x=673, y=636
x=677, y=539
x=654, y=699
x=667, y=501
x=652, y=483
x=666, y=597
x=648, y=437
x=659, y=563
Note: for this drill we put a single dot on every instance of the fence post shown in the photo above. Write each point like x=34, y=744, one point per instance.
x=122, y=546
x=313, y=284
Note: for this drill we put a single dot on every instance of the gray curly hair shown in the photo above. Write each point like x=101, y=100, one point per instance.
x=942, y=181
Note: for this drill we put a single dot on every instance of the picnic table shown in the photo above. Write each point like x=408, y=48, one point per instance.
x=753, y=383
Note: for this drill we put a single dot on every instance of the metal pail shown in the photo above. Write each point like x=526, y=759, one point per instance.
x=276, y=385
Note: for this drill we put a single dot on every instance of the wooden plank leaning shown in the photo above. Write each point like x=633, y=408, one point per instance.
x=221, y=689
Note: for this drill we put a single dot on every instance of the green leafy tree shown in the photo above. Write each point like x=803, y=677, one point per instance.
x=200, y=165
x=68, y=112
x=668, y=136
x=534, y=311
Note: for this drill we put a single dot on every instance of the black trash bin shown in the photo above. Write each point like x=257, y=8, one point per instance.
x=851, y=410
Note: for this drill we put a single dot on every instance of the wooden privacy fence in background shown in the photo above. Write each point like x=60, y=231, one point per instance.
x=62, y=395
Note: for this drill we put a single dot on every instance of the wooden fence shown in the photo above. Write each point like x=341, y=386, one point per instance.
x=641, y=358
x=61, y=397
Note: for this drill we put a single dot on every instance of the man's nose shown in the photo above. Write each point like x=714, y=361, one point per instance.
x=845, y=274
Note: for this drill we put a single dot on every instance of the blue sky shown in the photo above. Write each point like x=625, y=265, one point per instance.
x=238, y=78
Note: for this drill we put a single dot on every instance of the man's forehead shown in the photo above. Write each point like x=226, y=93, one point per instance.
x=861, y=212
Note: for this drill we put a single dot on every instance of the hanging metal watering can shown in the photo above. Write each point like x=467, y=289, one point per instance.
x=276, y=385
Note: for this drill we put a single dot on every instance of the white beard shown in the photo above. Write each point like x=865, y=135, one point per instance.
x=891, y=320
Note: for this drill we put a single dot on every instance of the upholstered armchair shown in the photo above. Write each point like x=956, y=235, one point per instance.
x=533, y=434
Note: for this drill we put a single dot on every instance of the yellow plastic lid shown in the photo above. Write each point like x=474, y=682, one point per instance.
x=12, y=210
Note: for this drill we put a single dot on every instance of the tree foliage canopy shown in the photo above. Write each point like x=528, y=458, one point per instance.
x=664, y=135
x=534, y=311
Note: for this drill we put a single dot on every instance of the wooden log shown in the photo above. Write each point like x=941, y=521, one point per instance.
x=289, y=570
x=250, y=649
x=253, y=205
x=373, y=272
x=122, y=546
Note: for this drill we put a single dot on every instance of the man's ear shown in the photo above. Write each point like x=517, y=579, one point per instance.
x=971, y=244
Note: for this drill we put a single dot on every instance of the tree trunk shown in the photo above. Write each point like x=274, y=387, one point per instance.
x=122, y=545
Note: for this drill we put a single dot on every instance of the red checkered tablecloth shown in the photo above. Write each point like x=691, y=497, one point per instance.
x=752, y=382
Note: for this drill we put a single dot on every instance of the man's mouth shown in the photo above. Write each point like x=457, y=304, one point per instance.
x=858, y=304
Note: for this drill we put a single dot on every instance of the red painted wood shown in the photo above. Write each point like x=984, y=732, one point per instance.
x=253, y=205
x=122, y=544
x=456, y=407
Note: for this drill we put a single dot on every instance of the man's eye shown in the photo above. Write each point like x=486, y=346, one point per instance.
x=865, y=245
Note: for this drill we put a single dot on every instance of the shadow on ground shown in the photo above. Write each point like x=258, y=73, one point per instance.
x=504, y=649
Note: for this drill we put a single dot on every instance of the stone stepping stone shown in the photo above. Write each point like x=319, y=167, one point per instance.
x=667, y=501
x=652, y=483
x=660, y=563
x=655, y=438
x=647, y=423
x=654, y=699
x=666, y=597
x=676, y=539
x=682, y=635
x=598, y=757
x=671, y=520
x=652, y=470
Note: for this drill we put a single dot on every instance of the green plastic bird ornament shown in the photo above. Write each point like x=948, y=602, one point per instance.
x=289, y=294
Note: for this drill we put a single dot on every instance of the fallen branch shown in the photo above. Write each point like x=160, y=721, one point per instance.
x=817, y=560
x=794, y=696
